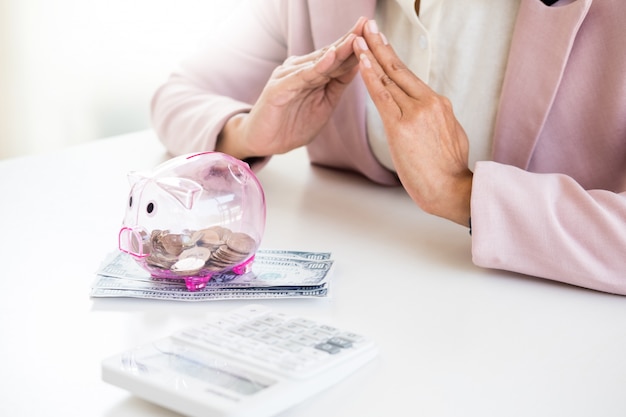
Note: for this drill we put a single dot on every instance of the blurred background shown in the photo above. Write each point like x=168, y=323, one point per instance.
x=78, y=70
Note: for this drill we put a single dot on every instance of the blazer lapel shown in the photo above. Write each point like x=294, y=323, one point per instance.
x=540, y=48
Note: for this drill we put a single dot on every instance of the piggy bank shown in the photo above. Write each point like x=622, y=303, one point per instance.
x=194, y=216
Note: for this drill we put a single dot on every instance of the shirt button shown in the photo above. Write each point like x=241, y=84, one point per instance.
x=423, y=42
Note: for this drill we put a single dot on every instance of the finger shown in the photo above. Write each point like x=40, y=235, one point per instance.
x=306, y=74
x=390, y=62
x=344, y=59
x=288, y=69
x=321, y=69
x=328, y=66
x=319, y=66
x=344, y=44
x=343, y=48
x=326, y=62
x=357, y=29
x=309, y=58
x=388, y=97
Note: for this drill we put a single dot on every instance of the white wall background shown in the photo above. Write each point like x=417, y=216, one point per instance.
x=78, y=70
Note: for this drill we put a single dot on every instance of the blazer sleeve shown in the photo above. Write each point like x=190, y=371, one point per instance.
x=224, y=77
x=547, y=225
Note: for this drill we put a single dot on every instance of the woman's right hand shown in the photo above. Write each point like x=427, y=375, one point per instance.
x=297, y=101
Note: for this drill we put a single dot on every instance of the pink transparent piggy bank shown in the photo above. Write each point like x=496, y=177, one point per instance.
x=193, y=216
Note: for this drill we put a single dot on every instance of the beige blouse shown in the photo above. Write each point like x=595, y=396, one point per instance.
x=460, y=48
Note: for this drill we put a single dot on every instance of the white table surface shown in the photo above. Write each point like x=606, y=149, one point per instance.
x=454, y=339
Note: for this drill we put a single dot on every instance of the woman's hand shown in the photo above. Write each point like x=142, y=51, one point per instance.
x=429, y=148
x=297, y=101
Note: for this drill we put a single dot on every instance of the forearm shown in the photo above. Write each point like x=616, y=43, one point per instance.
x=547, y=225
x=187, y=119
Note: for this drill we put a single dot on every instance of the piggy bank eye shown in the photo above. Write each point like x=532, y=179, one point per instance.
x=151, y=208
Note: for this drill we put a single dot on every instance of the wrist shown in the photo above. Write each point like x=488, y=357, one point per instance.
x=454, y=203
x=461, y=205
x=229, y=141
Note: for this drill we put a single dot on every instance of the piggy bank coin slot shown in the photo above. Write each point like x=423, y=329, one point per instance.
x=237, y=173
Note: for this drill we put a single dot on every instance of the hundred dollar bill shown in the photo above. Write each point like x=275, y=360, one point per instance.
x=234, y=294
x=265, y=271
x=274, y=274
x=104, y=282
x=311, y=256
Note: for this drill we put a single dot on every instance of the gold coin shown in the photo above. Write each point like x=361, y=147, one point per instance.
x=188, y=266
x=197, y=252
x=172, y=243
x=209, y=237
x=241, y=243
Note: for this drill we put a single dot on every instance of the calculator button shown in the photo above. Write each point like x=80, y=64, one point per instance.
x=292, y=365
x=303, y=322
x=259, y=325
x=221, y=323
x=356, y=338
x=281, y=333
x=318, y=335
x=273, y=319
x=296, y=365
x=266, y=338
x=217, y=340
x=226, y=336
x=275, y=352
x=314, y=355
x=290, y=346
x=251, y=345
x=305, y=341
x=328, y=348
x=340, y=342
x=328, y=329
x=293, y=327
x=244, y=331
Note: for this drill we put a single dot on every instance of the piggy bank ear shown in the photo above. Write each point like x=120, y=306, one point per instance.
x=184, y=190
x=134, y=177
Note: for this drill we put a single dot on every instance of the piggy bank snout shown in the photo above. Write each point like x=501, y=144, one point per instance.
x=134, y=241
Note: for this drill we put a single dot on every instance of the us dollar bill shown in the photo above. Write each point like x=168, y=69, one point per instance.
x=266, y=270
x=274, y=273
x=207, y=295
x=311, y=256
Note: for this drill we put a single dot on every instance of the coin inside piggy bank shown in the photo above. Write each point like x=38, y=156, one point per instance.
x=194, y=216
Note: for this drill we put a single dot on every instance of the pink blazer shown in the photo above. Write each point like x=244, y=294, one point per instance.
x=551, y=204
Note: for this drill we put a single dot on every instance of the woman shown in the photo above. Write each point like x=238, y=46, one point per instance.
x=547, y=192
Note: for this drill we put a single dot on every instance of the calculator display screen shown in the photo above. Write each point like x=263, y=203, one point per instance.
x=213, y=371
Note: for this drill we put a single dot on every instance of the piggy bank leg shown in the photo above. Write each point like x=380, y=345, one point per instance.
x=196, y=283
x=244, y=267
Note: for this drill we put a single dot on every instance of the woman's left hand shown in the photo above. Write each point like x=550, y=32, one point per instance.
x=429, y=148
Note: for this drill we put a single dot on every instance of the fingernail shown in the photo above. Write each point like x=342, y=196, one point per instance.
x=361, y=42
x=373, y=27
x=365, y=60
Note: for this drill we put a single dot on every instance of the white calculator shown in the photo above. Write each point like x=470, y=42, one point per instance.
x=252, y=361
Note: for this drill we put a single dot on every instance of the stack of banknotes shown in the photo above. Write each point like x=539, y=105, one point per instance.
x=274, y=274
